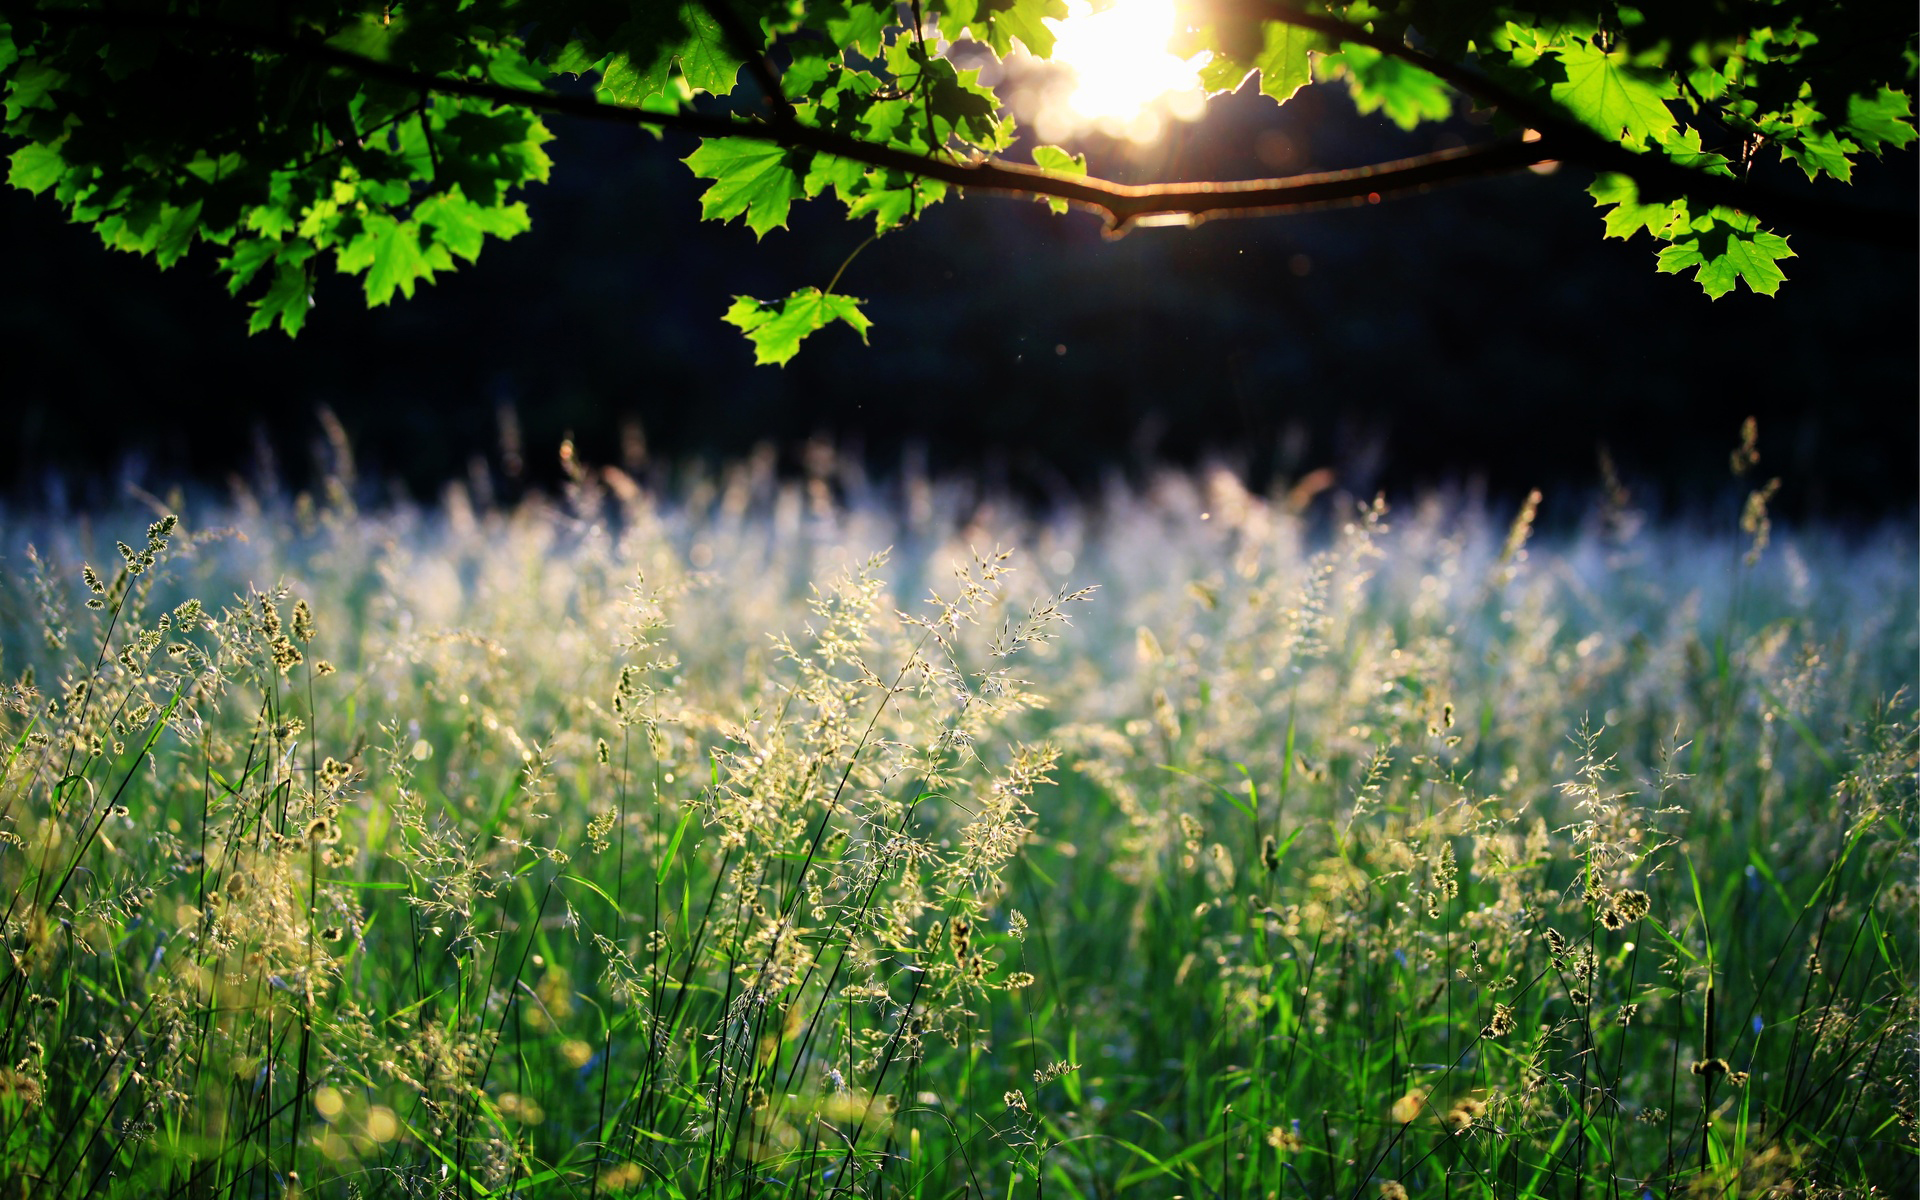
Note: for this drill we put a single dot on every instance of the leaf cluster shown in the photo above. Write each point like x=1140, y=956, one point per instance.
x=396, y=138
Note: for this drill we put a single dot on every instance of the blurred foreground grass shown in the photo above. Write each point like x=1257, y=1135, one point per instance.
x=617, y=844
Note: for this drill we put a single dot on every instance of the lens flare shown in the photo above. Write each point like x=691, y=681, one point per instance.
x=1125, y=79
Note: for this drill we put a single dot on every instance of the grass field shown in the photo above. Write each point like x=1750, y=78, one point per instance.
x=700, y=846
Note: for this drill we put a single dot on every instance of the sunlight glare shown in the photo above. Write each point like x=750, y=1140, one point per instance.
x=1124, y=75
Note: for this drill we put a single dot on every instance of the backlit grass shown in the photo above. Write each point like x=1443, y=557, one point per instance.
x=748, y=842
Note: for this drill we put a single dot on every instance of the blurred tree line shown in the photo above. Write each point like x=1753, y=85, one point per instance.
x=1023, y=347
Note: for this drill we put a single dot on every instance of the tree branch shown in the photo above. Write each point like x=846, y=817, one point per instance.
x=1122, y=205
x=1657, y=176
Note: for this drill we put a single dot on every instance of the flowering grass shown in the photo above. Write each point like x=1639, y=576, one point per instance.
x=702, y=846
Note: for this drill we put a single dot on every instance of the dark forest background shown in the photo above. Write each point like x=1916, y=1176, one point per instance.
x=1482, y=335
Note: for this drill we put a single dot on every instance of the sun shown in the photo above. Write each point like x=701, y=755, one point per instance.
x=1125, y=80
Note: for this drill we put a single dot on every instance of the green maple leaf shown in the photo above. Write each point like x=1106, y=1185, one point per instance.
x=1281, y=56
x=510, y=68
x=1022, y=19
x=1724, y=247
x=1407, y=94
x=1284, y=65
x=627, y=81
x=1882, y=119
x=391, y=253
x=31, y=86
x=705, y=57
x=777, y=327
x=751, y=177
x=953, y=101
x=286, y=301
x=855, y=24
x=36, y=167
x=1222, y=73
x=402, y=259
x=1629, y=215
x=1525, y=43
x=808, y=73
x=461, y=225
x=890, y=198
x=576, y=58
x=1711, y=84
x=956, y=16
x=961, y=105
x=843, y=175
x=890, y=121
x=484, y=152
x=1822, y=151
x=1607, y=95
x=371, y=35
x=1683, y=147
x=888, y=207
x=163, y=230
x=663, y=36
x=248, y=256
x=1058, y=161
x=999, y=22
x=278, y=216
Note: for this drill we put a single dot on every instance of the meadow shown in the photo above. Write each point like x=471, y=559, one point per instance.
x=803, y=839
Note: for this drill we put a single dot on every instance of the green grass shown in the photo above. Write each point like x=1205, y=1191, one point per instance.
x=615, y=846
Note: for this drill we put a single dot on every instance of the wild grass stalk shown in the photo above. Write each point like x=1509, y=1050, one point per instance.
x=666, y=845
